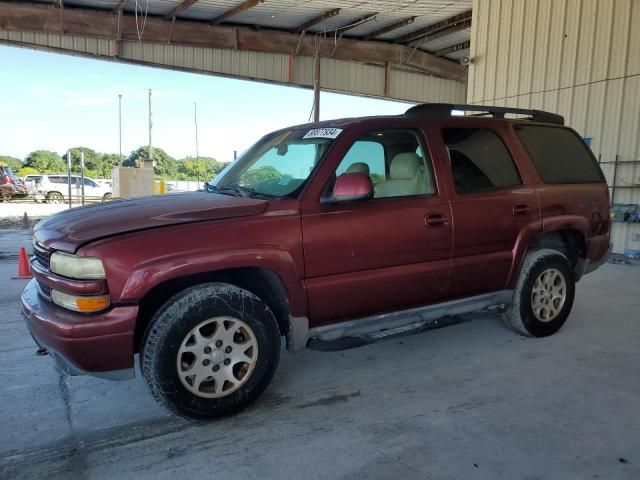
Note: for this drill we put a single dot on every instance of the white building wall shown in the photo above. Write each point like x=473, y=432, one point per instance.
x=579, y=58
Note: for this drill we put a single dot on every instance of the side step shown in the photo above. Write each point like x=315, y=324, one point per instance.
x=346, y=343
x=356, y=333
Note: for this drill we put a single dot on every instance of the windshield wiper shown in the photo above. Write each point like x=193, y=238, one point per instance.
x=235, y=189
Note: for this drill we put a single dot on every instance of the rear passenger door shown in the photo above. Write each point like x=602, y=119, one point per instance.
x=491, y=206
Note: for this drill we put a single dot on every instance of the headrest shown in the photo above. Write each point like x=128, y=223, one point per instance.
x=358, y=167
x=404, y=166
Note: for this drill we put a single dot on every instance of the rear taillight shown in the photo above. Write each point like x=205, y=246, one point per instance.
x=4, y=179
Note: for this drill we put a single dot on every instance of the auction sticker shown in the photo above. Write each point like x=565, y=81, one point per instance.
x=323, y=133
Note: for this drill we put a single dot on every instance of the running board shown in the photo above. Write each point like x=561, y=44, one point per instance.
x=356, y=333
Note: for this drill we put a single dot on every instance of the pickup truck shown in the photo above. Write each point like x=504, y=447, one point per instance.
x=329, y=235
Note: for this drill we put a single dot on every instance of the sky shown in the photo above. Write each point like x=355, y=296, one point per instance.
x=54, y=102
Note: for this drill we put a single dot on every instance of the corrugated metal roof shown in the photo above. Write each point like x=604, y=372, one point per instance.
x=289, y=14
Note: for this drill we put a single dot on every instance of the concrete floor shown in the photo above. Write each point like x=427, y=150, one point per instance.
x=471, y=401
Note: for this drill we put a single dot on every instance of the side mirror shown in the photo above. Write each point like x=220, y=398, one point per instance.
x=351, y=187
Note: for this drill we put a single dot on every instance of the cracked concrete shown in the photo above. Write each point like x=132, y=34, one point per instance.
x=471, y=401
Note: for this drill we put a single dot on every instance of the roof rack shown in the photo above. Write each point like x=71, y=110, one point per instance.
x=436, y=110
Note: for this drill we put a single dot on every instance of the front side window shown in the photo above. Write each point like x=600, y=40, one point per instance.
x=559, y=155
x=365, y=156
x=480, y=162
x=278, y=165
x=394, y=160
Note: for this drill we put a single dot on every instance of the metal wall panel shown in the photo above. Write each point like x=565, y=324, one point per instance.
x=92, y=46
x=579, y=58
x=336, y=75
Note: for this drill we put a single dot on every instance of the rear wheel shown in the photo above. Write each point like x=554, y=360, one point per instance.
x=106, y=197
x=210, y=351
x=544, y=294
x=55, y=197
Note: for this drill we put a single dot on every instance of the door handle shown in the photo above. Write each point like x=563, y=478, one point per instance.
x=522, y=209
x=435, y=220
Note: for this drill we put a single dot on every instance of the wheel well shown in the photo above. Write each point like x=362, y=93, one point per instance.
x=262, y=282
x=570, y=242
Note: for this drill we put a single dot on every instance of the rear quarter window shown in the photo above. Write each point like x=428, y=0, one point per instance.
x=559, y=155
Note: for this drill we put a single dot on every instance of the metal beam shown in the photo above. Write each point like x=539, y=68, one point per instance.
x=389, y=28
x=355, y=23
x=104, y=24
x=178, y=9
x=314, y=21
x=452, y=24
x=440, y=33
x=246, y=5
x=453, y=48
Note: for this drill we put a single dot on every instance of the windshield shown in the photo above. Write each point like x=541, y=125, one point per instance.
x=278, y=165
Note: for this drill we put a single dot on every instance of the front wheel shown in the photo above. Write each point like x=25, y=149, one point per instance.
x=543, y=296
x=210, y=351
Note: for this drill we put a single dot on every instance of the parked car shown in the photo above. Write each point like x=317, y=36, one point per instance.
x=294, y=240
x=30, y=182
x=10, y=186
x=21, y=189
x=55, y=188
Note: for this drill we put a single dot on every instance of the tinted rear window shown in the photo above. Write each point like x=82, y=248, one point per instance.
x=559, y=154
x=480, y=162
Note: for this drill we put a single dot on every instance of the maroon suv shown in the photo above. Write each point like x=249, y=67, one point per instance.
x=332, y=235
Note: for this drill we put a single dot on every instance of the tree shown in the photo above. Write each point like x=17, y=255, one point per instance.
x=45, y=161
x=260, y=174
x=166, y=166
x=109, y=160
x=203, y=168
x=92, y=161
x=24, y=171
x=13, y=163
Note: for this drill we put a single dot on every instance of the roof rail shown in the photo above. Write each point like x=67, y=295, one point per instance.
x=436, y=110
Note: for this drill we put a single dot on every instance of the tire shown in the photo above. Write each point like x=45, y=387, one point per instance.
x=541, y=304
x=174, y=347
x=55, y=197
x=106, y=197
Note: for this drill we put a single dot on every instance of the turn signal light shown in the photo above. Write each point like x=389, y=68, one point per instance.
x=80, y=303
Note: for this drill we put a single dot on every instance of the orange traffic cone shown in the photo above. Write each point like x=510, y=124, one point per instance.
x=23, y=266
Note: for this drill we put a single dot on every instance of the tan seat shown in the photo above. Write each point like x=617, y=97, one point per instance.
x=358, y=167
x=407, y=176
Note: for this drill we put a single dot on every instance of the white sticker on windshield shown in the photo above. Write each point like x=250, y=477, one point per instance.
x=323, y=133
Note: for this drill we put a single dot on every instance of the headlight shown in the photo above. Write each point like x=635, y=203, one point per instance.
x=72, y=266
x=80, y=303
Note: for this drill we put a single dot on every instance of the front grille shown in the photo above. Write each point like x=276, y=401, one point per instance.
x=42, y=254
x=44, y=289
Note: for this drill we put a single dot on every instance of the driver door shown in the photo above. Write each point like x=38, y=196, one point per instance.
x=388, y=253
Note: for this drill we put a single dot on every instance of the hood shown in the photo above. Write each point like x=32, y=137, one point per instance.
x=69, y=229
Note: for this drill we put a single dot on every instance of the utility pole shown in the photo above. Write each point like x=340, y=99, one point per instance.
x=150, y=128
x=69, y=174
x=120, y=126
x=195, y=119
x=316, y=86
x=82, y=175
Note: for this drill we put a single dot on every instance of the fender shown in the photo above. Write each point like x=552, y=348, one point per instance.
x=153, y=272
x=534, y=231
x=136, y=263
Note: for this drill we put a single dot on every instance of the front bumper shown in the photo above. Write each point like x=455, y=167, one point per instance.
x=100, y=345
